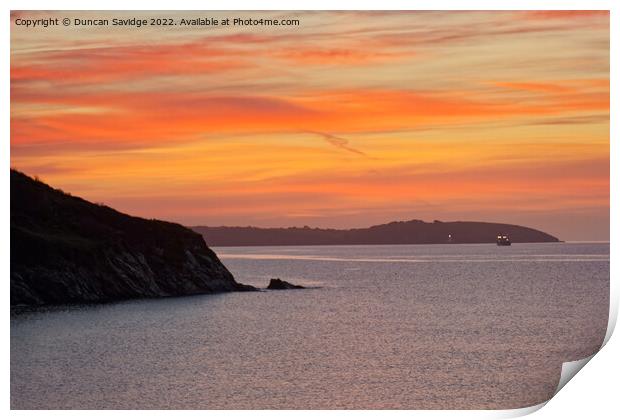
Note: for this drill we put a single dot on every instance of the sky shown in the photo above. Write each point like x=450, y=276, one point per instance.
x=349, y=119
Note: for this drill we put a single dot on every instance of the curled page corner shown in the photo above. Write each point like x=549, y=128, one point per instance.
x=613, y=313
x=518, y=412
x=570, y=369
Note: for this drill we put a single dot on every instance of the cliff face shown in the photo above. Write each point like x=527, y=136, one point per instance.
x=65, y=249
x=410, y=232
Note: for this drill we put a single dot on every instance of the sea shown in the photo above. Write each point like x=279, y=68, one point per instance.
x=378, y=327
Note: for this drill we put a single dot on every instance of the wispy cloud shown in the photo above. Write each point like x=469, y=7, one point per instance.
x=338, y=142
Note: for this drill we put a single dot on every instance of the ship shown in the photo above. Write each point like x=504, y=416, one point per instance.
x=503, y=240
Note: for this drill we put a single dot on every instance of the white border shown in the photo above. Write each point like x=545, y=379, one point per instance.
x=593, y=394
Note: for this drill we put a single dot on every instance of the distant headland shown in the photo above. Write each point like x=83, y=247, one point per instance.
x=408, y=232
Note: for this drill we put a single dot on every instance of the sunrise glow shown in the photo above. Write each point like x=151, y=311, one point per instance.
x=348, y=119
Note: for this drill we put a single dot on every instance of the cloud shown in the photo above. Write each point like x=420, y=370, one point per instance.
x=90, y=65
x=537, y=87
x=167, y=116
x=565, y=14
x=338, y=55
x=338, y=142
x=585, y=119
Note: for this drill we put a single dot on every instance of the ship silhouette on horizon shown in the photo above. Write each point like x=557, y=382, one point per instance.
x=503, y=240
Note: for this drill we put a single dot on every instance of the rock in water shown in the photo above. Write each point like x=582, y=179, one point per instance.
x=67, y=250
x=277, y=284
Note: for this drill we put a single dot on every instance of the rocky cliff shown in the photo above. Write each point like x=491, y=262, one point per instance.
x=66, y=250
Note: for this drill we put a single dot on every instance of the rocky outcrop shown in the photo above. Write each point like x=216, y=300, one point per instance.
x=67, y=250
x=277, y=284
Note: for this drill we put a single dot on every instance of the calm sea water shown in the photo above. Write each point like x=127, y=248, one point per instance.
x=411, y=327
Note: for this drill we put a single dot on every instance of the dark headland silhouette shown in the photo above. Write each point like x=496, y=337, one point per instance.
x=67, y=250
x=410, y=232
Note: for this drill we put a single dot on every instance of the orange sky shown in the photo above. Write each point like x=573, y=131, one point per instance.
x=347, y=120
